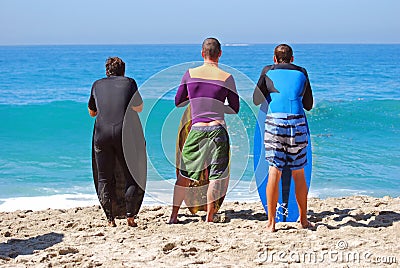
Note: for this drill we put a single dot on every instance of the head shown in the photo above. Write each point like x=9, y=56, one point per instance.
x=115, y=66
x=283, y=54
x=211, y=49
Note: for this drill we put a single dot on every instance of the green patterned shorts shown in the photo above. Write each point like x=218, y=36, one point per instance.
x=206, y=147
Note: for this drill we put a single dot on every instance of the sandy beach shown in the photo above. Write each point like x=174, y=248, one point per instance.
x=355, y=231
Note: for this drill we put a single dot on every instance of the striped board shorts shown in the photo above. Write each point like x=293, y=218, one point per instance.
x=286, y=140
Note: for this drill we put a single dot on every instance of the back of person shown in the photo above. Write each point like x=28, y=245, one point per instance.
x=108, y=101
x=288, y=84
x=283, y=85
x=286, y=89
x=112, y=95
x=207, y=88
x=206, y=149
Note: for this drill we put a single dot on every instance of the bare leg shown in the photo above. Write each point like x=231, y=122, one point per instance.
x=301, y=196
x=274, y=177
x=211, y=192
x=216, y=190
x=179, y=194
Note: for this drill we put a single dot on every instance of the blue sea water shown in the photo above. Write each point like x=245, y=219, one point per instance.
x=45, y=130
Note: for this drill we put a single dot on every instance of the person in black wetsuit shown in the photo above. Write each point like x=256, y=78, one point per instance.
x=108, y=101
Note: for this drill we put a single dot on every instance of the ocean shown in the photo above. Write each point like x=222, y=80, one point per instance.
x=45, y=130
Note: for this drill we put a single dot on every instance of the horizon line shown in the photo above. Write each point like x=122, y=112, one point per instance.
x=223, y=44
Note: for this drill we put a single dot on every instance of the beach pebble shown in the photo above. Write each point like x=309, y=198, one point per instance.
x=99, y=234
x=168, y=247
x=7, y=234
x=51, y=255
x=192, y=251
x=68, y=250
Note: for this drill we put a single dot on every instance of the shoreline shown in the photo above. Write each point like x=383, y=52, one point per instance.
x=362, y=228
x=68, y=201
x=157, y=193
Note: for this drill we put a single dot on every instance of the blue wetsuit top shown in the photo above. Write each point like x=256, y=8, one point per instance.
x=285, y=87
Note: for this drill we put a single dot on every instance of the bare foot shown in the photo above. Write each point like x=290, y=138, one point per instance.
x=112, y=224
x=271, y=227
x=216, y=218
x=306, y=224
x=173, y=221
x=131, y=222
x=210, y=219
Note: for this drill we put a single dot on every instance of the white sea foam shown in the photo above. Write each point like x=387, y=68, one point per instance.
x=61, y=201
x=157, y=193
x=236, y=45
x=329, y=192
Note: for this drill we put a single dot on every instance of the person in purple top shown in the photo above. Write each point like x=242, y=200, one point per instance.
x=207, y=88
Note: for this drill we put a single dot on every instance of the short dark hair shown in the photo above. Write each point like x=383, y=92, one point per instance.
x=283, y=53
x=211, y=48
x=115, y=66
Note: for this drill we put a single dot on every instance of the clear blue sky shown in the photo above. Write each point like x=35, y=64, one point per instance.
x=168, y=21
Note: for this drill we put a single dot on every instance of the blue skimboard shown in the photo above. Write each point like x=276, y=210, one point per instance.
x=287, y=210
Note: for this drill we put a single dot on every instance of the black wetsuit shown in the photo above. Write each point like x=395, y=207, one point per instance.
x=110, y=98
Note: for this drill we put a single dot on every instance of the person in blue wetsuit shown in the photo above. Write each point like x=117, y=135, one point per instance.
x=287, y=90
x=108, y=101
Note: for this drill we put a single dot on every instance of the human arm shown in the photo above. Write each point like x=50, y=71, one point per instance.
x=138, y=109
x=137, y=101
x=182, y=97
x=92, y=113
x=308, y=99
x=261, y=91
x=232, y=97
x=92, y=104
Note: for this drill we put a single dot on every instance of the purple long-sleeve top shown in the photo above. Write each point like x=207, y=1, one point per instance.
x=207, y=97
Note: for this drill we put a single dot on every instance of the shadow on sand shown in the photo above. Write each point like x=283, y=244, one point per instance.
x=14, y=247
x=381, y=219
